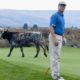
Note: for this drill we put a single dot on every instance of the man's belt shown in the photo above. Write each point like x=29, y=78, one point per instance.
x=58, y=34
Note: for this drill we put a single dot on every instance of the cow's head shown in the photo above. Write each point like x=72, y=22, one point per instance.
x=4, y=34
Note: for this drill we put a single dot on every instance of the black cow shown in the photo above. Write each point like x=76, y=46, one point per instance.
x=17, y=39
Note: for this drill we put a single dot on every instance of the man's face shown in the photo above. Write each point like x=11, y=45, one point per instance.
x=61, y=8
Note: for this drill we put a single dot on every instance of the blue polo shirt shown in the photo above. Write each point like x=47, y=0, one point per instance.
x=57, y=21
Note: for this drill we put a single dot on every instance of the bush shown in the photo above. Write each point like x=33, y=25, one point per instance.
x=4, y=43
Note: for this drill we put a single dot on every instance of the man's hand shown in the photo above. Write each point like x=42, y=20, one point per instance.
x=56, y=44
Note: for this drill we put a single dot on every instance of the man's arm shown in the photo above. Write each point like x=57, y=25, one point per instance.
x=53, y=36
x=52, y=32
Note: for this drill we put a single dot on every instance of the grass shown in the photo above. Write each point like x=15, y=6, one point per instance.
x=30, y=68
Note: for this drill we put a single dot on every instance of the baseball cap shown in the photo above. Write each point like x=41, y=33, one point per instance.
x=62, y=3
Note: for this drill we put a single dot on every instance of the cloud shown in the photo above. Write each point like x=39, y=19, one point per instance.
x=38, y=4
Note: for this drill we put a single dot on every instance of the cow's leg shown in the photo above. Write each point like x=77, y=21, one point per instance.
x=43, y=50
x=22, y=51
x=47, y=48
x=11, y=49
x=38, y=49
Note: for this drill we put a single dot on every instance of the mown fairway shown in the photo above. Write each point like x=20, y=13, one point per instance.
x=30, y=68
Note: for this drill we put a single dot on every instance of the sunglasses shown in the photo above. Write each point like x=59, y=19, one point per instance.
x=63, y=5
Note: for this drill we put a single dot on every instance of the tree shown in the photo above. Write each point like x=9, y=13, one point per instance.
x=25, y=26
x=35, y=27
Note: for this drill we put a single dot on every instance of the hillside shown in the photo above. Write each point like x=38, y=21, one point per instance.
x=16, y=18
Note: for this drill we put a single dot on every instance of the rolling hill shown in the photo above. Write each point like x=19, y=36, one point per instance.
x=16, y=18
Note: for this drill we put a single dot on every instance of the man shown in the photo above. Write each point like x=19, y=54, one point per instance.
x=55, y=40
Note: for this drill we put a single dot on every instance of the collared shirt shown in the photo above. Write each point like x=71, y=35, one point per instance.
x=57, y=21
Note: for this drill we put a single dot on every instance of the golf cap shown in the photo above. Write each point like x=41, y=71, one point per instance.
x=62, y=3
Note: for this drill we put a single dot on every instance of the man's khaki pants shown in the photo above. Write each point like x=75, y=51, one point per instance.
x=55, y=56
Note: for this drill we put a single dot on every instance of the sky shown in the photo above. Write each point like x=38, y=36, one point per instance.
x=38, y=4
